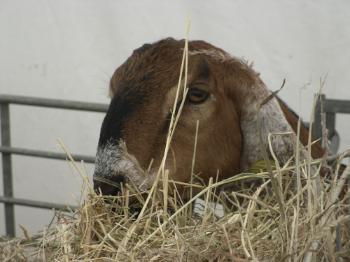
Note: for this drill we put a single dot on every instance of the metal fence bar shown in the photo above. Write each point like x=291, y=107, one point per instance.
x=34, y=203
x=330, y=123
x=337, y=106
x=330, y=107
x=317, y=128
x=7, y=168
x=53, y=103
x=6, y=150
x=44, y=154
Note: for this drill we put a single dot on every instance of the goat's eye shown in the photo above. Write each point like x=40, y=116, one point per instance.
x=197, y=96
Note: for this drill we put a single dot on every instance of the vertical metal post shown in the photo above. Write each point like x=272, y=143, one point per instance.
x=7, y=168
x=330, y=123
x=317, y=128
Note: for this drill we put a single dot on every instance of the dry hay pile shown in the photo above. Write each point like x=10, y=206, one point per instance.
x=288, y=213
x=260, y=224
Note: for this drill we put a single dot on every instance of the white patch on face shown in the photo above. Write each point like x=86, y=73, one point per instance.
x=113, y=159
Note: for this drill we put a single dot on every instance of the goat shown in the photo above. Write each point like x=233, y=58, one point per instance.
x=224, y=95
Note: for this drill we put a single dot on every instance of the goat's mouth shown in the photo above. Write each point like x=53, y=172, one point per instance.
x=115, y=166
x=112, y=190
x=110, y=186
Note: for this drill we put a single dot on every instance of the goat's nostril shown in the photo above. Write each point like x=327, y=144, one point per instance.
x=108, y=186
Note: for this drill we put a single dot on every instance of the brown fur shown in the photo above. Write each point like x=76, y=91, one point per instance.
x=153, y=71
x=316, y=150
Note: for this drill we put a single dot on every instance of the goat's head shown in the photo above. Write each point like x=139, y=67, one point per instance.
x=224, y=95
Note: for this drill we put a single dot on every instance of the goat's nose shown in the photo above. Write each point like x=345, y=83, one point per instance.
x=108, y=185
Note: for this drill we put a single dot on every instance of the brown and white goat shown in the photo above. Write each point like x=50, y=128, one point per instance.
x=224, y=95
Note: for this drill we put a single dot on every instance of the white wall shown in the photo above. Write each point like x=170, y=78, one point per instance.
x=69, y=49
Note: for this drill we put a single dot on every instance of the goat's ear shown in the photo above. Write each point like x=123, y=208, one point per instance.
x=260, y=119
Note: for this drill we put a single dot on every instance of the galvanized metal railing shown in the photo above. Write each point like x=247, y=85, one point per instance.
x=330, y=106
x=7, y=151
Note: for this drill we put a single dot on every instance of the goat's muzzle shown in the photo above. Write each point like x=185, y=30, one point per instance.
x=110, y=185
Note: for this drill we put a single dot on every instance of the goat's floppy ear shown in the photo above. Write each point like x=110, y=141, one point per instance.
x=249, y=93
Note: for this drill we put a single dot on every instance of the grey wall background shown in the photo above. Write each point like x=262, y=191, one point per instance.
x=69, y=49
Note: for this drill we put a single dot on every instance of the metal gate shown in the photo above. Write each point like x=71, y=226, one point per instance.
x=7, y=151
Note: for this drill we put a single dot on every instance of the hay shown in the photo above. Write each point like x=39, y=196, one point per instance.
x=285, y=222
x=106, y=229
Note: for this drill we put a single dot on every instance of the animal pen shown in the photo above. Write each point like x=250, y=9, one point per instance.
x=330, y=107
